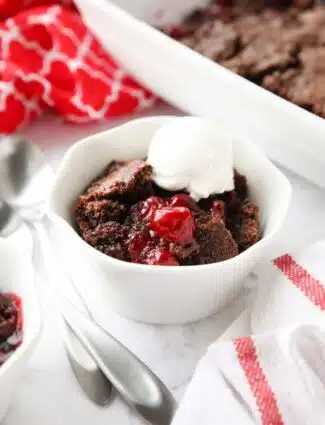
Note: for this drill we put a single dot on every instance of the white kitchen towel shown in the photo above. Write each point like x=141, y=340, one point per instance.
x=275, y=376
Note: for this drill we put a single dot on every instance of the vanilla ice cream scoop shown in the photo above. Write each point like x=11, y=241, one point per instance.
x=194, y=154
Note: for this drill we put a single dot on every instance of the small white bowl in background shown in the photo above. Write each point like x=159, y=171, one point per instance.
x=161, y=294
x=17, y=276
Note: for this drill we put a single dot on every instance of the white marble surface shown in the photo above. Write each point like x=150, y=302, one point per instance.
x=48, y=393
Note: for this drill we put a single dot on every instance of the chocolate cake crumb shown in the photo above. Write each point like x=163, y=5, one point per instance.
x=215, y=240
x=218, y=209
x=216, y=40
x=188, y=254
x=89, y=214
x=247, y=232
x=241, y=185
x=305, y=85
x=271, y=44
x=129, y=179
x=110, y=239
x=264, y=46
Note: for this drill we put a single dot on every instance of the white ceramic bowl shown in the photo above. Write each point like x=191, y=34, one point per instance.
x=160, y=294
x=16, y=275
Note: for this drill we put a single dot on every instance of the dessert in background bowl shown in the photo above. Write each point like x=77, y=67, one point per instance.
x=20, y=319
x=11, y=325
x=146, y=292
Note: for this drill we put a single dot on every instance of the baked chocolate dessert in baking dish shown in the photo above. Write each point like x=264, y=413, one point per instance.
x=279, y=45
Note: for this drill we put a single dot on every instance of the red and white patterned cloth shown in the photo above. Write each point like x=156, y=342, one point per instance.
x=50, y=60
x=275, y=376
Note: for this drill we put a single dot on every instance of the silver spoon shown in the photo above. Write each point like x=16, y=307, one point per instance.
x=23, y=177
x=90, y=378
x=17, y=161
x=132, y=379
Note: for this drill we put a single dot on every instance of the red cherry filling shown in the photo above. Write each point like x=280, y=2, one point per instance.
x=160, y=257
x=137, y=244
x=173, y=224
x=150, y=206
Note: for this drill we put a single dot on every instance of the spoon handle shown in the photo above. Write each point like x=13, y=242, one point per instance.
x=135, y=382
x=90, y=378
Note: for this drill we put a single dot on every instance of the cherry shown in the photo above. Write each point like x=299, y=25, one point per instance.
x=173, y=224
x=160, y=257
x=18, y=304
x=178, y=32
x=137, y=243
x=150, y=205
x=183, y=200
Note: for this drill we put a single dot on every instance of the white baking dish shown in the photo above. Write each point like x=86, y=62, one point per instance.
x=16, y=275
x=289, y=135
x=161, y=13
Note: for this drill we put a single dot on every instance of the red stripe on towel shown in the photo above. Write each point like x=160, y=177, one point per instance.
x=257, y=381
x=309, y=286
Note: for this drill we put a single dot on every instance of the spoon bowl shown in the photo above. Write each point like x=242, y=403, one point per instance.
x=9, y=222
x=25, y=178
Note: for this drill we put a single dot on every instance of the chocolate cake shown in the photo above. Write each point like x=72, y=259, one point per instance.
x=304, y=85
x=282, y=49
x=125, y=215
